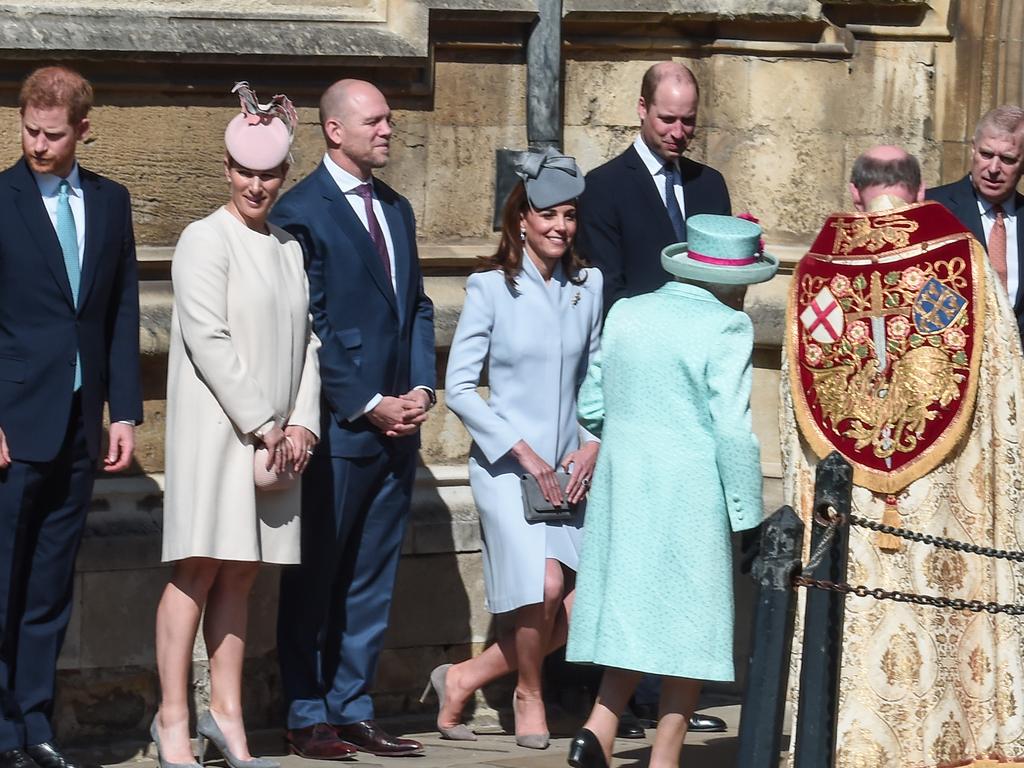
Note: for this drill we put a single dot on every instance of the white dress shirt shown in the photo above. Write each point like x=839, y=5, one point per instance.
x=988, y=220
x=49, y=184
x=656, y=167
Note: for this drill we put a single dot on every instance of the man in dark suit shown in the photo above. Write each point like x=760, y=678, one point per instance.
x=637, y=203
x=987, y=202
x=377, y=367
x=69, y=341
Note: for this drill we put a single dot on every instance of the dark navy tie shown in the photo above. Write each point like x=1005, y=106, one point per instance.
x=672, y=204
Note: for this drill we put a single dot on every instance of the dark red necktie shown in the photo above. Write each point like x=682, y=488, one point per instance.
x=376, y=233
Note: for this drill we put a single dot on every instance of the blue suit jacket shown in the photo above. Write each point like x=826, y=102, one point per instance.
x=624, y=223
x=40, y=329
x=960, y=198
x=372, y=339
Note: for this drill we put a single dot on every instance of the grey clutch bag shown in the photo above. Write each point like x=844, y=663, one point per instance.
x=538, y=509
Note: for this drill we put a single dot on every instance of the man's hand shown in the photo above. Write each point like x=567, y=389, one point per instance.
x=419, y=397
x=122, y=443
x=5, y=452
x=397, y=416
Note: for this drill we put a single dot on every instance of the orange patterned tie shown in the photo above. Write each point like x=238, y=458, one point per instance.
x=997, y=245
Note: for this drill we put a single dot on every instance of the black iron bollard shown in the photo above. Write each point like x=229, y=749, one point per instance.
x=823, y=620
x=764, y=701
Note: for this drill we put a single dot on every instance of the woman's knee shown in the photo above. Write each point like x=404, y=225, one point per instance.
x=194, y=576
x=554, y=584
x=237, y=576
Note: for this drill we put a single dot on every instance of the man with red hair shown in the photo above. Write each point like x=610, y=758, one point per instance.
x=69, y=342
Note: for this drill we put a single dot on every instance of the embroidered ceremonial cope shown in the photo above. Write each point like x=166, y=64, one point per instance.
x=903, y=355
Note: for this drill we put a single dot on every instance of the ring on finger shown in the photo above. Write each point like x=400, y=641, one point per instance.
x=585, y=482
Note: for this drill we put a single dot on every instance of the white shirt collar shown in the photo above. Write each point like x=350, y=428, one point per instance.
x=49, y=182
x=655, y=164
x=346, y=181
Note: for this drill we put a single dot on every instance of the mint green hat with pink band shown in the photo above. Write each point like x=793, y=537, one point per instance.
x=720, y=249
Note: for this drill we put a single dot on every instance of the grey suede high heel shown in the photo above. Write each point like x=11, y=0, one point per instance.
x=207, y=729
x=459, y=732
x=154, y=734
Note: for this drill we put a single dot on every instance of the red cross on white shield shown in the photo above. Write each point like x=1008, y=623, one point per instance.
x=823, y=318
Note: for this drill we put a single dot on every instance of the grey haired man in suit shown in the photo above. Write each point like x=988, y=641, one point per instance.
x=987, y=202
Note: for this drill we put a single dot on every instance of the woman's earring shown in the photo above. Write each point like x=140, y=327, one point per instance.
x=522, y=235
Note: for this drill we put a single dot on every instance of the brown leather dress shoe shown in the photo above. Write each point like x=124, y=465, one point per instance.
x=319, y=742
x=370, y=737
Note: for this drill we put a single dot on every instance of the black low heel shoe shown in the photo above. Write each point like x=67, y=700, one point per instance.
x=585, y=751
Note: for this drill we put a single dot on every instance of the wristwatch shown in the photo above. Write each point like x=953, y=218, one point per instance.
x=432, y=395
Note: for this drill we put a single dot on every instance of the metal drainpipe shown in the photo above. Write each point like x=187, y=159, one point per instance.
x=543, y=98
x=544, y=77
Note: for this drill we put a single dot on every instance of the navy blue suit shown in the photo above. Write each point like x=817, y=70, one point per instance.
x=54, y=434
x=356, y=493
x=624, y=223
x=961, y=199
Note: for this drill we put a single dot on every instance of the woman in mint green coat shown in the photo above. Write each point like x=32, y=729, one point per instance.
x=679, y=469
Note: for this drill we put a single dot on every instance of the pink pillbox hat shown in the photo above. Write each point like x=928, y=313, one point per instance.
x=261, y=136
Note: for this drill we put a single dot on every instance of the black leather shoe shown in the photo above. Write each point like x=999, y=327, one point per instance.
x=585, y=751
x=46, y=755
x=367, y=736
x=706, y=723
x=16, y=758
x=629, y=726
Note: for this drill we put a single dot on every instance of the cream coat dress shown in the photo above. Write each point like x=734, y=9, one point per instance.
x=242, y=352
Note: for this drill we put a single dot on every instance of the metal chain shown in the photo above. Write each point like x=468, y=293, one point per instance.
x=938, y=541
x=955, y=603
x=822, y=548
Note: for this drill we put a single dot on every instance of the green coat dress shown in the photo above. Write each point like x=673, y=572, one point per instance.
x=679, y=468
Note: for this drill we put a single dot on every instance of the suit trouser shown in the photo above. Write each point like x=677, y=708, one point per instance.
x=42, y=513
x=334, y=607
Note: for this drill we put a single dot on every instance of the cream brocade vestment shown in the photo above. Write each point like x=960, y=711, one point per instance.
x=923, y=686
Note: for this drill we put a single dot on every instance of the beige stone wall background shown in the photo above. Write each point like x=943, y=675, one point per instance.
x=792, y=91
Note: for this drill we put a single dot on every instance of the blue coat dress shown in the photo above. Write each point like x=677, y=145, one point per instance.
x=537, y=340
x=679, y=467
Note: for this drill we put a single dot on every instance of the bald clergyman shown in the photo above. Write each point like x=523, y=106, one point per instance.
x=920, y=686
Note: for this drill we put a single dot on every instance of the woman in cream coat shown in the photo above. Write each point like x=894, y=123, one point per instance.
x=242, y=373
x=534, y=318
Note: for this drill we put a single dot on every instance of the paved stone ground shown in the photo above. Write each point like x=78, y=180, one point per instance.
x=712, y=750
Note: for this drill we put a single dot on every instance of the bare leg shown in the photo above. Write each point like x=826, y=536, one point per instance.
x=224, y=627
x=534, y=625
x=678, y=700
x=617, y=686
x=177, y=620
x=500, y=658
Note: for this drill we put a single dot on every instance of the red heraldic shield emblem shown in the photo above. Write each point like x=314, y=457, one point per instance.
x=885, y=319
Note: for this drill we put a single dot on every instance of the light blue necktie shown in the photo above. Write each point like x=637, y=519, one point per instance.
x=67, y=235
x=671, y=203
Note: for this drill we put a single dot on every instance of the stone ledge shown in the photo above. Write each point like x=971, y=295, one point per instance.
x=783, y=10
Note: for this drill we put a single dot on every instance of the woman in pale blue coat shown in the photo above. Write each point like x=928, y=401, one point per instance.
x=533, y=318
x=679, y=470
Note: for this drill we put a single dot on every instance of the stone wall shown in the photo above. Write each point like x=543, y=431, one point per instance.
x=792, y=91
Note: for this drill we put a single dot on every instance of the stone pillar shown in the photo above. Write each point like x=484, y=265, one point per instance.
x=982, y=69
